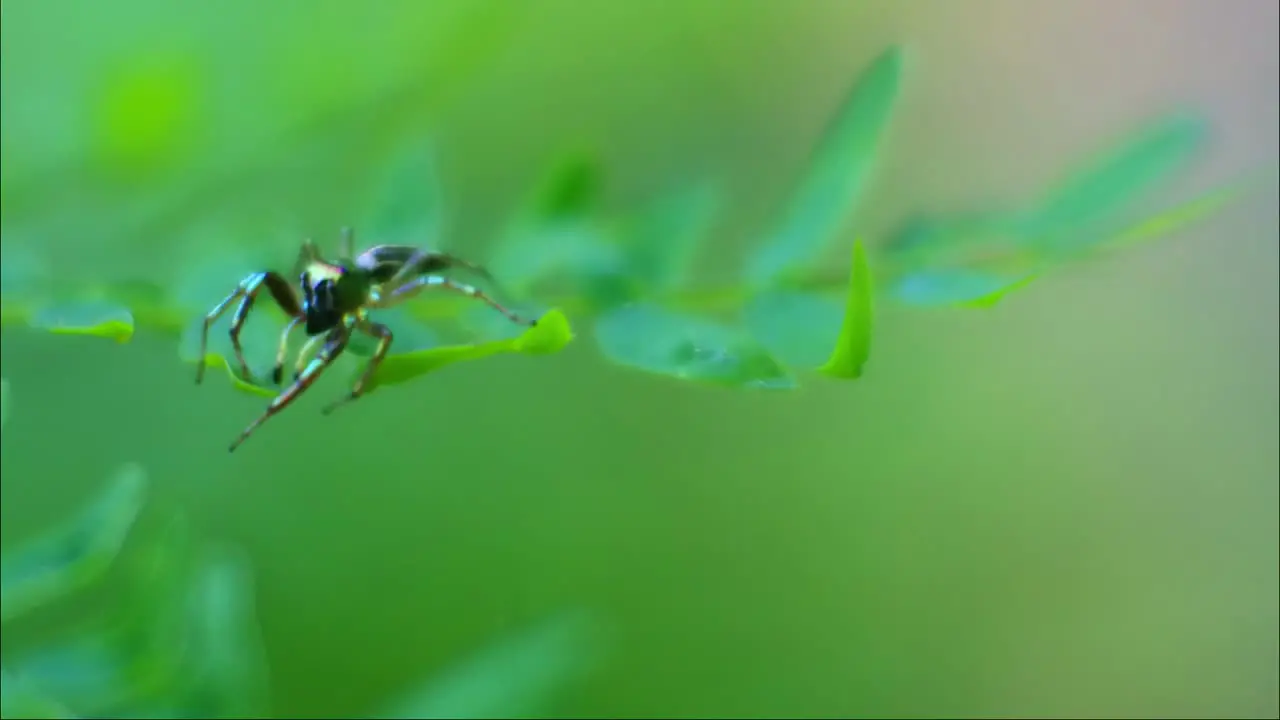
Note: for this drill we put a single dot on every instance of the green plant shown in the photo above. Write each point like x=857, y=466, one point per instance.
x=630, y=277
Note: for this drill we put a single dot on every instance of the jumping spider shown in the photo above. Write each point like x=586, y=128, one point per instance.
x=336, y=300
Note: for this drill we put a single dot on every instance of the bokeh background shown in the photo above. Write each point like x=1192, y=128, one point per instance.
x=1063, y=506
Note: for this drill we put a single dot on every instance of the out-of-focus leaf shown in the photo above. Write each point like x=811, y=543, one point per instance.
x=225, y=674
x=78, y=553
x=550, y=335
x=4, y=402
x=410, y=208
x=976, y=288
x=837, y=173
x=1177, y=217
x=99, y=319
x=18, y=699
x=854, y=344
x=662, y=241
x=556, y=235
x=1072, y=212
x=799, y=328
x=651, y=338
x=131, y=659
x=517, y=677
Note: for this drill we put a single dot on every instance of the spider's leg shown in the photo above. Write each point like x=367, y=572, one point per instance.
x=277, y=370
x=247, y=294
x=417, y=285
x=304, y=354
x=337, y=342
x=409, y=268
x=383, y=335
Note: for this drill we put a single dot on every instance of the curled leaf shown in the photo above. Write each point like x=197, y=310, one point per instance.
x=651, y=338
x=550, y=335
x=98, y=319
x=854, y=344
x=837, y=173
x=76, y=554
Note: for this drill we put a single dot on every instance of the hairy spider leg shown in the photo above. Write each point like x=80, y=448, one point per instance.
x=247, y=294
x=277, y=370
x=417, y=285
x=333, y=347
x=383, y=335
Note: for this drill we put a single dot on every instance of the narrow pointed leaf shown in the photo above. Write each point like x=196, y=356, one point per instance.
x=837, y=174
x=1072, y=212
x=958, y=287
x=653, y=339
x=76, y=554
x=853, y=347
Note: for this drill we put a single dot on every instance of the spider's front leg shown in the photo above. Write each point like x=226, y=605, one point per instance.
x=383, y=335
x=247, y=293
x=335, y=343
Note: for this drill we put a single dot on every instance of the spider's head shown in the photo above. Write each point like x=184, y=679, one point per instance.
x=329, y=293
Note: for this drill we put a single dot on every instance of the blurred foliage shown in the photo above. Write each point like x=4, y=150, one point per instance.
x=190, y=645
x=186, y=643
x=629, y=276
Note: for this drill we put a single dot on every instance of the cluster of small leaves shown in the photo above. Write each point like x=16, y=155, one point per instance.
x=558, y=256
x=186, y=644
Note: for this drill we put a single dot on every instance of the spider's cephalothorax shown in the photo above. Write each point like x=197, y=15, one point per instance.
x=332, y=301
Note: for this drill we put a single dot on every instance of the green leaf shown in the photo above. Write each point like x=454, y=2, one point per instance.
x=518, y=677
x=75, y=555
x=1071, y=213
x=854, y=345
x=976, y=288
x=648, y=337
x=4, y=402
x=97, y=319
x=409, y=209
x=837, y=174
x=19, y=699
x=662, y=241
x=550, y=335
x=799, y=328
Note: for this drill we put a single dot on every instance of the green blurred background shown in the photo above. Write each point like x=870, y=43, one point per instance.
x=1063, y=506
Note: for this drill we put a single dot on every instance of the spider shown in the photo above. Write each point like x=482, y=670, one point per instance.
x=336, y=300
